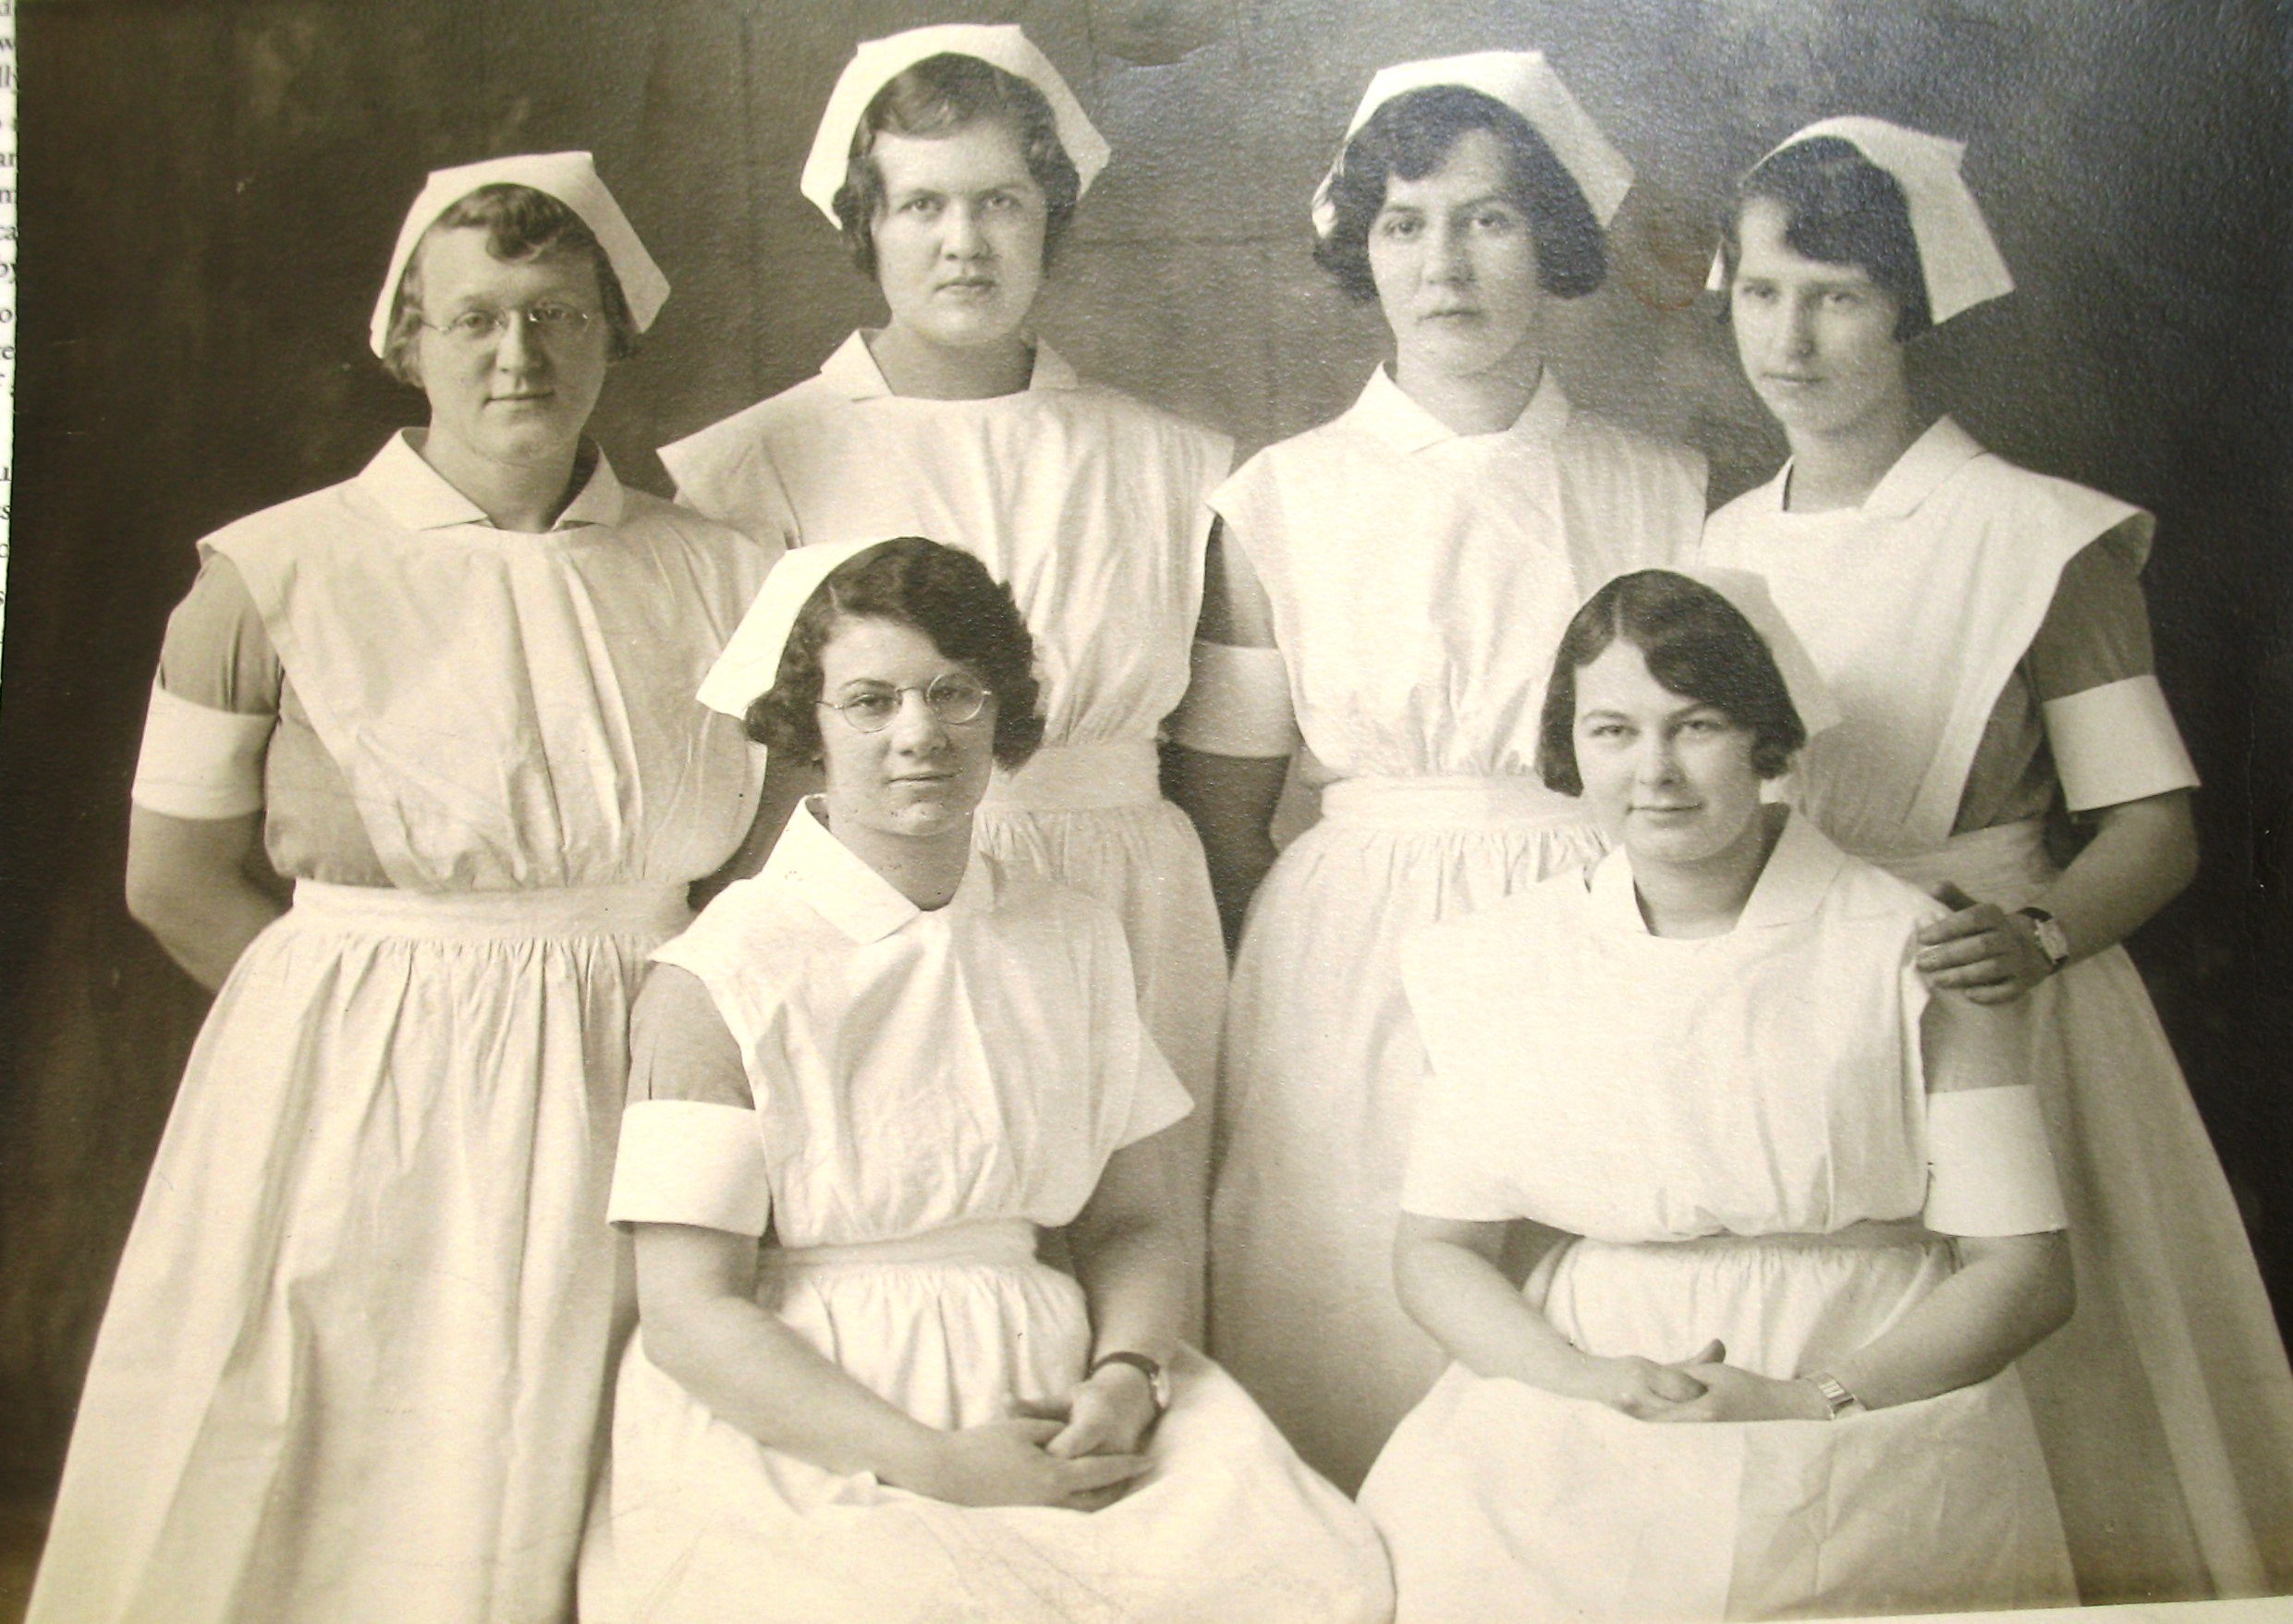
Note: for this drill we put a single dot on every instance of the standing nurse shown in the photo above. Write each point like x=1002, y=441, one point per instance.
x=1398, y=578
x=952, y=158
x=354, y=1364
x=1985, y=630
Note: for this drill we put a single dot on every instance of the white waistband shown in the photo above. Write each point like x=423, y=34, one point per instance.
x=562, y=910
x=1080, y=777
x=989, y=1240
x=1462, y=802
x=2006, y=864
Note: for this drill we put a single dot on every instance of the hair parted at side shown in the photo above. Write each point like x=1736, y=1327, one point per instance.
x=1839, y=209
x=939, y=96
x=1696, y=643
x=1411, y=136
x=520, y=223
x=942, y=592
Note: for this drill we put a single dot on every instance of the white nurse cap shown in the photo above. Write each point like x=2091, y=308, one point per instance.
x=750, y=663
x=571, y=178
x=1810, y=695
x=1958, y=257
x=879, y=61
x=1522, y=81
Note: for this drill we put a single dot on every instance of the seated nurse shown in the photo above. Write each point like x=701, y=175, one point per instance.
x=862, y=1082
x=1797, y=1216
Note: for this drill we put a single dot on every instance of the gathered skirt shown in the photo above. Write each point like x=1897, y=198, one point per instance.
x=1317, y=1085
x=699, y=1524
x=354, y=1361
x=1505, y=1504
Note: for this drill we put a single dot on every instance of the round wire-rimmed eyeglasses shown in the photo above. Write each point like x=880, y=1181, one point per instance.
x=546, y=320
x=951, y=698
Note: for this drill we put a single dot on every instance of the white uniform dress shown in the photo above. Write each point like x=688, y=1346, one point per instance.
x=1737, y=1128
x=1090, y=506
x=2165, y=1407
x=927, y=1089
x=1420, y=580
x=356, y=1355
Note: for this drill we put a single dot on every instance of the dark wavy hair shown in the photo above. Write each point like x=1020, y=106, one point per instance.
x=520, y=223
x=1696, y=643
x=939, y=96
x=942, y=592
x=1841, y=208
x=1411, y=136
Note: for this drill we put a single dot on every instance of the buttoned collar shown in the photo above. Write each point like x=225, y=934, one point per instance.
x=1385, y=411
x=1799, y=874
x=852, y=371
x=1929, y=460
x=831, y=878
x=417, y=496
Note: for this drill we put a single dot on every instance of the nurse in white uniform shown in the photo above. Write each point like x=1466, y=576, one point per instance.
x=952, y=158
x=1797, y=1213
x=1396, y=579
x=1984, y=626
x=355, y=1363
x=863, y=1082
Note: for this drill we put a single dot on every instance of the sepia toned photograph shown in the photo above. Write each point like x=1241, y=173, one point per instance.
x=1091, y=810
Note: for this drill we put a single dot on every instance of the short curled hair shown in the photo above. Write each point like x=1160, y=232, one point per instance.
x=939, y=96
x=1411, y=136
x=520, y=223
x=1696, y=643
x=1840, y=208
x=942, y=592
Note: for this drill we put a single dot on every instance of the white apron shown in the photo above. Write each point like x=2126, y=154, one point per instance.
x=2166, y=1406
x=1420, y=580
x=354, y=1361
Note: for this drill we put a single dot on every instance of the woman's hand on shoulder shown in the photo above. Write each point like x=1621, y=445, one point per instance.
x=1010, y=1463
x=1731, y=1393
x=1981, y=950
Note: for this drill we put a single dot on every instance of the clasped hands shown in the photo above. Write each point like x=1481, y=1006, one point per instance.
x=1981, y=950
x=1079, y=1450
x=1703, y=1388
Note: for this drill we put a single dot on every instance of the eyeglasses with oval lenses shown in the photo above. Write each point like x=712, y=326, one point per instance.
x=870, y=707
x=546, y=322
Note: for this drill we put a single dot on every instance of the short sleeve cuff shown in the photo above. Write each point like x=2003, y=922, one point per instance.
x=1238, y=703
x=686, y=1162
x=198, y=761
x=2117, y=744
x=1159, y=1101
x=1989, y=1170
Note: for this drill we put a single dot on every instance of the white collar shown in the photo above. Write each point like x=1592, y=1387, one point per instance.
x=1799, y=874
x=417, y=496
x=1926, y=462
x=852, y=371
x=830, y=878
x=1387, y=411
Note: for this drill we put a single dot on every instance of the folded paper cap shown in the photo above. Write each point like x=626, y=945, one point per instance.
x=571, y=178
x=879, y=61
x=1810, y=695
x=750, y=663
x=1522, y=81
x=1958, y=257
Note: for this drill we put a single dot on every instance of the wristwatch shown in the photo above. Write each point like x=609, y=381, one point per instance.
x=1836, y=1395
x=2051, y=941
x=1158, y=1379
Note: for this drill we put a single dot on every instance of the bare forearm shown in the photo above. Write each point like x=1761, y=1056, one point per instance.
x=187, y=884
x=1134, y=1254
x=2144, y=853
x=2011, y=1294
x=1464, y=1302
x=754, y=1373
x=1231, y=800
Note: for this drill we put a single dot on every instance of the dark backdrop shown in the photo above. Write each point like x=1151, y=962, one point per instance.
x=210, y=191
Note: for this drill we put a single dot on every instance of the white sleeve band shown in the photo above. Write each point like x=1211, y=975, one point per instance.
x=2117, y=744
x=1238, y=703
x=1989, y=1171
x=198, y=761
x=691, y=1162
